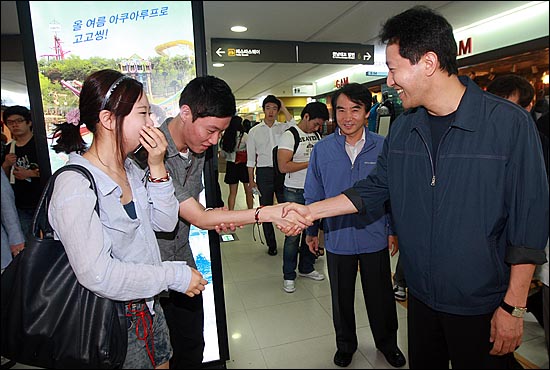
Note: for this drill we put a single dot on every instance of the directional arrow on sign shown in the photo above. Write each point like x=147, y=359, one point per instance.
x=273, y=51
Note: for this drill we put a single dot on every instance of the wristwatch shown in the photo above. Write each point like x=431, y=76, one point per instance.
x=512, y=310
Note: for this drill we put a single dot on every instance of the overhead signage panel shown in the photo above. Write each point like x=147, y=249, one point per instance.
x=271, y=51
x=236, y=50
x=335, y=53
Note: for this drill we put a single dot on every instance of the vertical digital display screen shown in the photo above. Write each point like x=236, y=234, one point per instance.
x=151, y=41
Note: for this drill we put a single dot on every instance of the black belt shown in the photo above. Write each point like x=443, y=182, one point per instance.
x=294, y=190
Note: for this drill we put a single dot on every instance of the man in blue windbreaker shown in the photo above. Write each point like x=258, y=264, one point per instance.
x=465, y=174
x=354, y=241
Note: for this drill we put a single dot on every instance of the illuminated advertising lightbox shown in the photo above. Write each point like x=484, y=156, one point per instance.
x=151, y=41
x=75, y=38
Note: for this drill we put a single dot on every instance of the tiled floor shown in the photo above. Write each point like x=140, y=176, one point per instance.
x=271, y=329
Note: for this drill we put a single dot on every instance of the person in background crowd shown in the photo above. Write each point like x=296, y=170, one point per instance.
x=115, y=253
x=514, y=88
x=463, y=169
x=387, y=103
x=354, y=242
x=293, y=158
x=233, y=149
x=542, y=124
x=206, y=108
x=4, y=138
x=20, y=163
x=262, y=138
x=247, y=125
x=13, y=240
x=541, y=105
x=373, y=114
x=519, y=90
x=542, y=271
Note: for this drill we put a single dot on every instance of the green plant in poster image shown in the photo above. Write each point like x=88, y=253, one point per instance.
x=136, y=38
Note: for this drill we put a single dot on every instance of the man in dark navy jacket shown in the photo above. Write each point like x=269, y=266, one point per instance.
x=465, y=174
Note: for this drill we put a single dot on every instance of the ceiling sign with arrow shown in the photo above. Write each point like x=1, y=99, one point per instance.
x=335, y=53
x=241, y=50
x=237, y=50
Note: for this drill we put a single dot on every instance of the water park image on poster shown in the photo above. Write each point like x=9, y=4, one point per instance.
x=151, y=41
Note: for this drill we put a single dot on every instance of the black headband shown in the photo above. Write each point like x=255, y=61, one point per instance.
x=111, y=89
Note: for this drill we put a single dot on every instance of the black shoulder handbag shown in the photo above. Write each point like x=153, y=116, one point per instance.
x=49, y=320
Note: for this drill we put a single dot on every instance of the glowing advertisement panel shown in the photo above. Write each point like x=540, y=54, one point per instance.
x=151, y=41
x=73, y=39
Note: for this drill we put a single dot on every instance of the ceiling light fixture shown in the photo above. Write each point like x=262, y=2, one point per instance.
x=239, y=29
x=218, y=65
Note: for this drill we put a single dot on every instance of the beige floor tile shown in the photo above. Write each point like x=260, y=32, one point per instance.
x=289, y=322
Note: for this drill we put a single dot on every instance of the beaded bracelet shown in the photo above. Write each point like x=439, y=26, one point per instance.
x=257, y=215
x=159, y=179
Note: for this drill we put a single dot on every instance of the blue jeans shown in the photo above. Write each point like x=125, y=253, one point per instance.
x=295, y=244
x=25, y=219
x=158, y=341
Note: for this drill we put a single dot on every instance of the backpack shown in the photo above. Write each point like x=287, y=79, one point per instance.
x=296, y=143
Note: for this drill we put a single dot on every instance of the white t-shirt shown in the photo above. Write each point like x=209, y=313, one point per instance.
x=307, y=141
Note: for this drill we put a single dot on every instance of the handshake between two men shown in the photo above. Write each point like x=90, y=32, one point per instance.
x=293, y=218
x=290, y=218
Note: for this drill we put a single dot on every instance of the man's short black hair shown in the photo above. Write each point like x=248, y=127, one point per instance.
x=506, y=85
x=208, y=96
x=271, y=99
x=315, y=110
x=419, y=30
x=17, y=110
x=357, y=93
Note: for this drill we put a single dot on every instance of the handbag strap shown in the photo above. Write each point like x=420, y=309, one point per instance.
x=40, y=220
x=239, y=144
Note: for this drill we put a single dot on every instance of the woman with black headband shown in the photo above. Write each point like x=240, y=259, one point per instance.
x=116, y=254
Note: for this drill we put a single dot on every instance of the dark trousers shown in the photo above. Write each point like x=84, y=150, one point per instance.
x=546, y=314
x=399, y=276
x=378, y=294
x=435, y=338
x=269, y=184
x=185, y=319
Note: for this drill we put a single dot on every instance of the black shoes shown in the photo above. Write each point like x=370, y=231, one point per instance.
x=272, y=251
x=395, y=357
x=342, y=359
